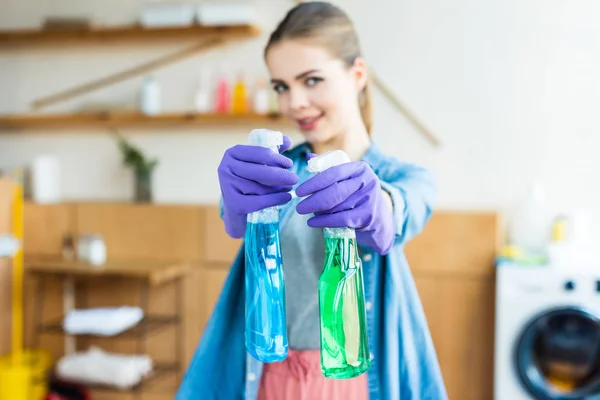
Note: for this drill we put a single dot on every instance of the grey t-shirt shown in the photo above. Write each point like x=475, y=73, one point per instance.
x=303, y=252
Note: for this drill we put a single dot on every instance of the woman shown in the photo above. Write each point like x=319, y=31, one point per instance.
x=317, y=70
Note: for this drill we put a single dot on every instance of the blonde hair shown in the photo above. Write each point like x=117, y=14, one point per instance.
x=333, y=28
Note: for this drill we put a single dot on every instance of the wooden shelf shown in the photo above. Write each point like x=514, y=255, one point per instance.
x=123, y=33
x=130, y=120
x=159, y=370
x=149, y=325
x=153, y=272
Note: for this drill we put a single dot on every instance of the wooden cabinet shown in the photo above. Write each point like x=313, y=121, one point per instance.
x=5, y=268
x=452, y=264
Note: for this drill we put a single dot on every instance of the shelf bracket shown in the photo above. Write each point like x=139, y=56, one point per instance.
x=403, y=109
x=127, y=74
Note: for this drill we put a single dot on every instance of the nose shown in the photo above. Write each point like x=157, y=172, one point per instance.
x=298, y=99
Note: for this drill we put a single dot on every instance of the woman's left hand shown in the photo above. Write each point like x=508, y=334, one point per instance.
x=350, y=195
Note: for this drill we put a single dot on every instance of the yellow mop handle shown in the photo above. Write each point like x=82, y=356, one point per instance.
x=17, y=289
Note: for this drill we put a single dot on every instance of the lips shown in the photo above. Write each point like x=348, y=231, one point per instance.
x=310, y=123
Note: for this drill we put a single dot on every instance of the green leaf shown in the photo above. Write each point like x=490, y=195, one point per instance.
x=133, y=156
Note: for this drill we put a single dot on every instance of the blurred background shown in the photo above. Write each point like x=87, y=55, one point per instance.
x=114, y=116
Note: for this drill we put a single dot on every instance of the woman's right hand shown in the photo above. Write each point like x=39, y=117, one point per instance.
x=253, y=178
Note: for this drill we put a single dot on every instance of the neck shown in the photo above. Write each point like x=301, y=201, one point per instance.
x=353, y=142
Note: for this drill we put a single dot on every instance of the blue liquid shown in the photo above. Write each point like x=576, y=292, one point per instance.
x=266, y=333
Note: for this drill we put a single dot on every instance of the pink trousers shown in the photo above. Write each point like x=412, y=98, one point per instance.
x=299, y=378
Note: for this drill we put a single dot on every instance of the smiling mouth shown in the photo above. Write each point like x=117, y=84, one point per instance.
x=308, y=124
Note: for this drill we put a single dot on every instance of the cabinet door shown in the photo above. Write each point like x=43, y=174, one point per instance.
x=220, y=248
x=452, y=263
x=460, y=314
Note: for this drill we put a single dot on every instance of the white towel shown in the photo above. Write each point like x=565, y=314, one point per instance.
x=102, y=321
x=98, y=367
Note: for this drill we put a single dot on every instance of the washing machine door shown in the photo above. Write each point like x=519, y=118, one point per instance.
x=557, y=356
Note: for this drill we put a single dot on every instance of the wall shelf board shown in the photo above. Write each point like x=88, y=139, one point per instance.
x=119, y=34
x=131, y=120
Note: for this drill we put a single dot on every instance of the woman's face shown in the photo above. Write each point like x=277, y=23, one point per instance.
x=315, y=90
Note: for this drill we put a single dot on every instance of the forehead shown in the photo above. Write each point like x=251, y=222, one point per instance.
x=289, y=58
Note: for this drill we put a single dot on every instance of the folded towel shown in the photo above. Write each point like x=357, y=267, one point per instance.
x=225, y=14
x=102, y=321
x=8, y=246
x=98, y=367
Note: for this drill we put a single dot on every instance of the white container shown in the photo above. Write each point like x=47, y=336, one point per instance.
x=97, y=251
x=150, y=97
x=530, y=223
x=260, y=99
x=203, y=98
x=83, y=245
x=165, y=15
x=8, y=246
x=91, y=249
x=225, y=14
x=202, y=101
x=46, y=179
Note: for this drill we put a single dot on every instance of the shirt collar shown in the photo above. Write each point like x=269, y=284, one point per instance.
x=373, y=156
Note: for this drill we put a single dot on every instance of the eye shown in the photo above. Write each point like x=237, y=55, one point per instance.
x=280, y=88
x=312, y=81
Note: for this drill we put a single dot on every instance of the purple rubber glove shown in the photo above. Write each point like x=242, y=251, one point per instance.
x=349, y=195
x=253, y=178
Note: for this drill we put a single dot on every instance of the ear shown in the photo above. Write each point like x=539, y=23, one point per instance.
x=360, y=73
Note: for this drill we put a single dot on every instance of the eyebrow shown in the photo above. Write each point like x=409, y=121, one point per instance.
x=300, y=76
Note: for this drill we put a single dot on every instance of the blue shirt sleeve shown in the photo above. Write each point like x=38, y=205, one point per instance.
x=221, y=210
x=413, y=191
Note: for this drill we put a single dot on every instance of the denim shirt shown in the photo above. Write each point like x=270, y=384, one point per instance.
x=404, y=361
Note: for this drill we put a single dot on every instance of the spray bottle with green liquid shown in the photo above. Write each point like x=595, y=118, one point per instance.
x=344, y=342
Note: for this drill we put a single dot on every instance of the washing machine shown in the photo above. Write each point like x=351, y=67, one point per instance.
x=547, y=334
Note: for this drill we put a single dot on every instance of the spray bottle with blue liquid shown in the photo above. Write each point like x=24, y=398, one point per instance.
x=266, y=332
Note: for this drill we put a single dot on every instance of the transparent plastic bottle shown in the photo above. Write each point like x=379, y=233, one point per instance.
x=344, y=340
x=266, y=332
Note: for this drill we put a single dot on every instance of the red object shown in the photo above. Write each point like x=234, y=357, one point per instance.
x=223, y=99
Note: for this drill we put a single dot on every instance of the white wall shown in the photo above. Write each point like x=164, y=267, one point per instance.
x=511, y=88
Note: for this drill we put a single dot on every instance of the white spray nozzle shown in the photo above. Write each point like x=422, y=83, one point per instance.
x=265, y=138
x=327, y=160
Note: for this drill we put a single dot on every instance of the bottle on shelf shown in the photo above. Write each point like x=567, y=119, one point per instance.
x=202, y=97
x=223, y=92
x=260, y=98
x=150, y=96
x=530, y=223
x=239, y=99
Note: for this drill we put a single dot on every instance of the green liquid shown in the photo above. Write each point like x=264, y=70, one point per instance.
x=344, y=342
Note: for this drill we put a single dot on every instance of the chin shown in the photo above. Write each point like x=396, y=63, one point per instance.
x=320, y=135
x=316, y=137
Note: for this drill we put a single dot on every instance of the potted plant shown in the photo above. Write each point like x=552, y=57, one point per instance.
x=142, y=166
